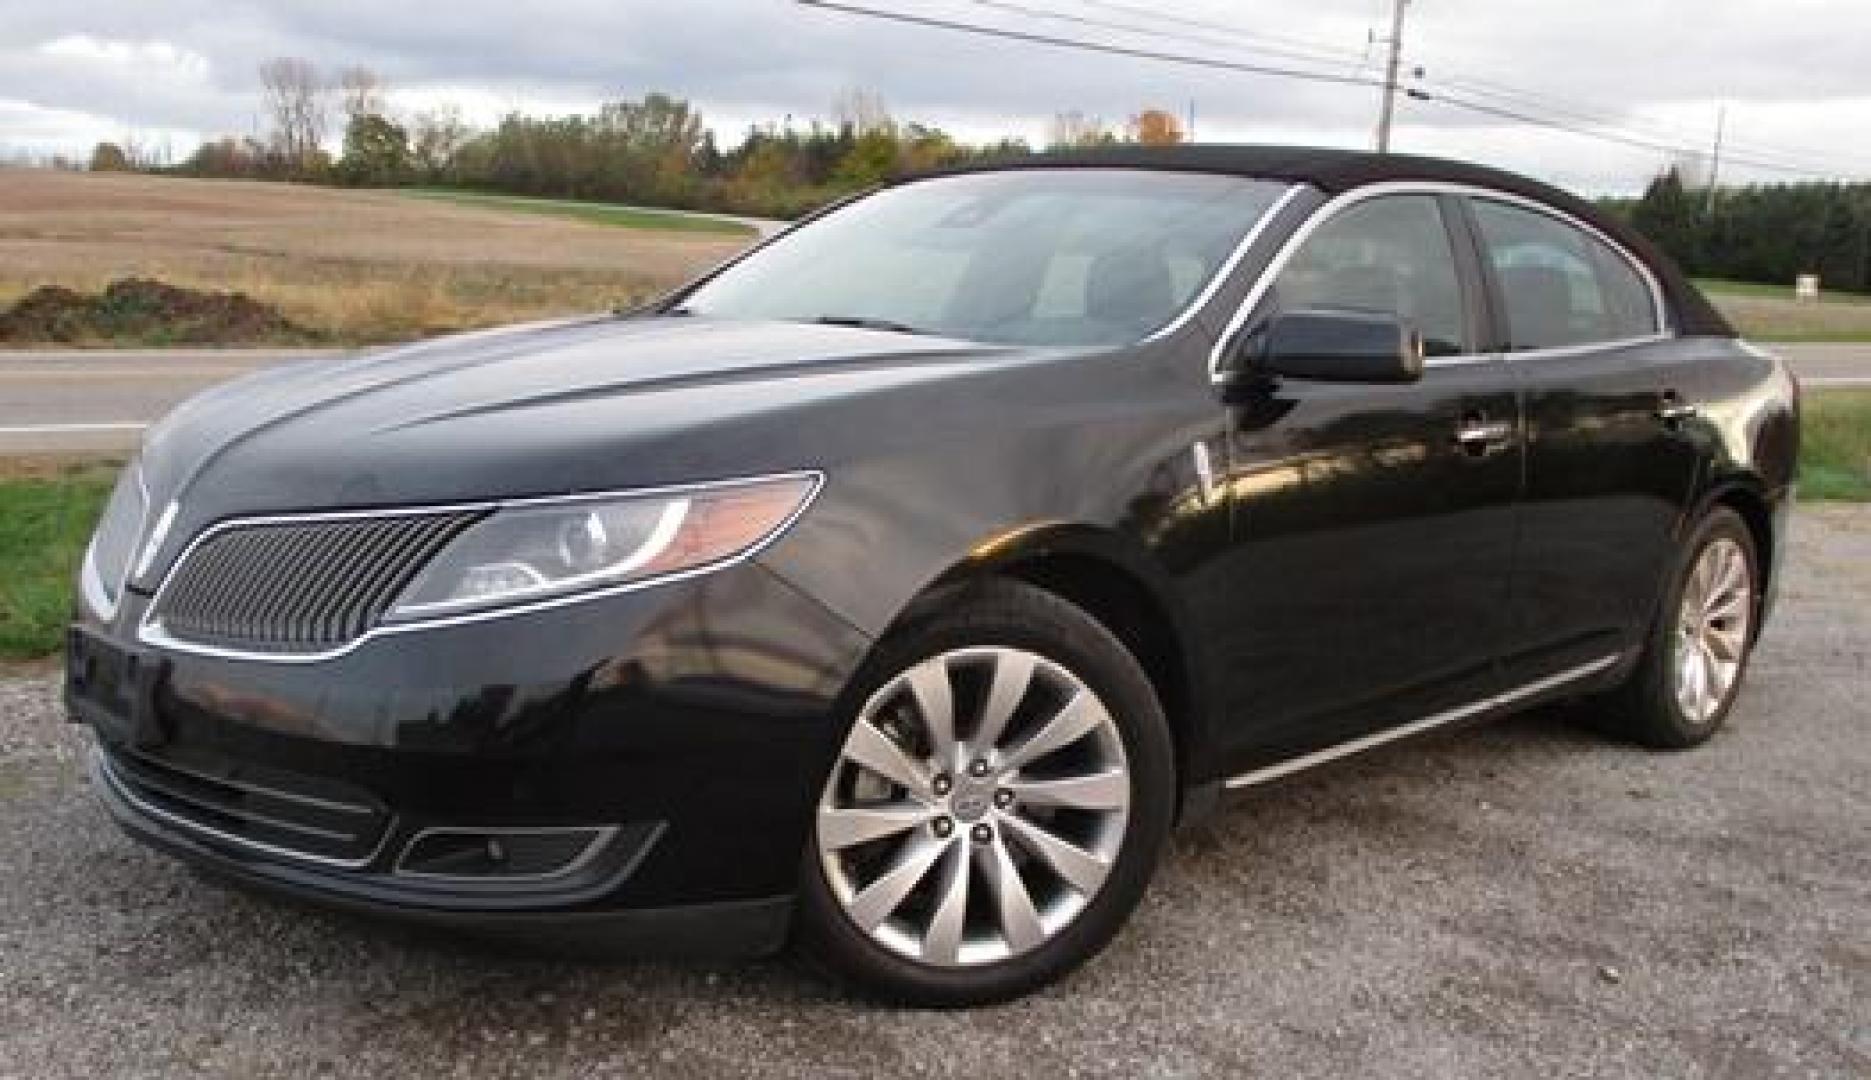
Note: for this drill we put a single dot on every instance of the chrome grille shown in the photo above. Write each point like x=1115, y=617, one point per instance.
x=302, y=586
x=290, y=815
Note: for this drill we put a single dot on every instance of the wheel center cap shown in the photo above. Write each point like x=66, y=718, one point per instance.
x=971, y=799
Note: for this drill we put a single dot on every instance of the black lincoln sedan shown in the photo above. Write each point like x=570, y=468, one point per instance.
x=898, y=586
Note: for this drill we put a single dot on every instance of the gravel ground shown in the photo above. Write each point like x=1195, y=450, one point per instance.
x=1518, y=900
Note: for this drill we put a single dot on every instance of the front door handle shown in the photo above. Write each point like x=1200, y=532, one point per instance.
x=1478, y=435
x=1672, y=409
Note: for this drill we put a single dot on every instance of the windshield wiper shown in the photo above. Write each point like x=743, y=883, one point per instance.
x=865, y=322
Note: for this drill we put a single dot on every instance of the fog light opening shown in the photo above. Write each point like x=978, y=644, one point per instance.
x=502, y=854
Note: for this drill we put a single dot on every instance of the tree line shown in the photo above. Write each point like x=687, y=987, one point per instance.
x=654, y=151
x=1768, y=233
x=659, y=151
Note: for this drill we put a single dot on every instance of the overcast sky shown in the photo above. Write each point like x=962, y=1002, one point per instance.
x=1795, y=74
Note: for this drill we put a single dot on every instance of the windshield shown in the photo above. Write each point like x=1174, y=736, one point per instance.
x=1022, y=257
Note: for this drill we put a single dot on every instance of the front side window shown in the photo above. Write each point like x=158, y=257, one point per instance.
x=1020, y=257
x=1390, y=255
x=1561, y=285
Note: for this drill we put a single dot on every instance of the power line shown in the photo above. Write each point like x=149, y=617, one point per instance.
x=1439, y=91
x=1588, y=112
x=1600, y=115
x=1584, y=111
x=1445, y=98
x=1221, y=41
x=1315, y=50
x=1086, y=46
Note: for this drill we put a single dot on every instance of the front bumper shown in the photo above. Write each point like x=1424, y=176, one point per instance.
x=687, y=725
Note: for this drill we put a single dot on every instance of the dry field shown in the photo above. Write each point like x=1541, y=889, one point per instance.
x=359, y=265
x=1769, y=314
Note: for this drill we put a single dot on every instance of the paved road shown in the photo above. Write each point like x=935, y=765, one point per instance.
x=71, y=401
x=57, y=401
x=1823, y=364
x=1521, y=900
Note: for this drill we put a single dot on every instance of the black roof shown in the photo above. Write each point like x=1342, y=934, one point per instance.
x=1334, y=171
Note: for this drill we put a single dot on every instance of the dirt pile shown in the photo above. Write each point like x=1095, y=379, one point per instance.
x=138, y=311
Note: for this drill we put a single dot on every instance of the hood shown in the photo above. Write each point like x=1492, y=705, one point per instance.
x=551, y=408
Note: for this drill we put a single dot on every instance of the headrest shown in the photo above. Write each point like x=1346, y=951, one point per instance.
x=1539, y=305
x=1133, y=287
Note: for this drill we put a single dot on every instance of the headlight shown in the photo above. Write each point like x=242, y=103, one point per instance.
x=113, y=543
x=531, y=551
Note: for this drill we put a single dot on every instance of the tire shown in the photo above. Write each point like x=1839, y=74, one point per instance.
x=1094, y=772
x=1653, y=708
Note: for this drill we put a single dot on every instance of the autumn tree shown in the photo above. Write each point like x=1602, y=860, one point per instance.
x=109, y=157
x=1670, y=215
x=436, y=137
x=1155, y=127
x=872, y=160
x=295, y=100
x=228, y=156
x=361, y=93
x=376, y=152
x=1072, y=130
x=861, y=110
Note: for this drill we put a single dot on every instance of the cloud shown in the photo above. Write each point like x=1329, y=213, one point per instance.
x=39, y=132
x=158, y=57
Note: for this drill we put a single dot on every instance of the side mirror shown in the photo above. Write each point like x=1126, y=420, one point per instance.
x=1328, y=346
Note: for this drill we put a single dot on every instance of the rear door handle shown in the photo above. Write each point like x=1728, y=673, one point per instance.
x=1672, y=409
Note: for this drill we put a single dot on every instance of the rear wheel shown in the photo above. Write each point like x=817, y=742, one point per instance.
x=1698, y=649
x=997, y=806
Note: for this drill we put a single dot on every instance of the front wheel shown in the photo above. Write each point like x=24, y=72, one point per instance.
x=997, y=806
x=1698, y=648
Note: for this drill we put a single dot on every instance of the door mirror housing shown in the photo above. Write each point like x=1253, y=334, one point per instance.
x=1327, y=346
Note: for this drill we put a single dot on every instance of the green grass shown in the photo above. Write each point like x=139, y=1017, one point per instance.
x=1722, y=287
x=624, y=217
x=1835, y=446
x=45, y=522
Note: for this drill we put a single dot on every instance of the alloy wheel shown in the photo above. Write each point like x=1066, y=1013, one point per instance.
x=1713, y=624
x=976, y=808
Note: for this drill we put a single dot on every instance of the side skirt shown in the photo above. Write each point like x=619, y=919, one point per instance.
x=1428, y=723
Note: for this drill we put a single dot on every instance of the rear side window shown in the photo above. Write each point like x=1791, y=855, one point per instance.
x=1561, y=285
x=1389, y=254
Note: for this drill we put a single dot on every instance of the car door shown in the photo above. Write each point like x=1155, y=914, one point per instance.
x=1612, y=446
x=1372, y=526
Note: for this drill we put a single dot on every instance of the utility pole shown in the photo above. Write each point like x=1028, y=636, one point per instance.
x=1390, y=75
x=1715, y=158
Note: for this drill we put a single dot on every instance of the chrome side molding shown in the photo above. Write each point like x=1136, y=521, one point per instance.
x=1427, y=723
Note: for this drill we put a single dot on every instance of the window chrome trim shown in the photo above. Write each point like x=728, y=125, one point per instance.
x=1553, y=352
x=150, y=631
x=1228, y=266
x=1389, y=735
x=1659, y=309
x=1345, y=200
